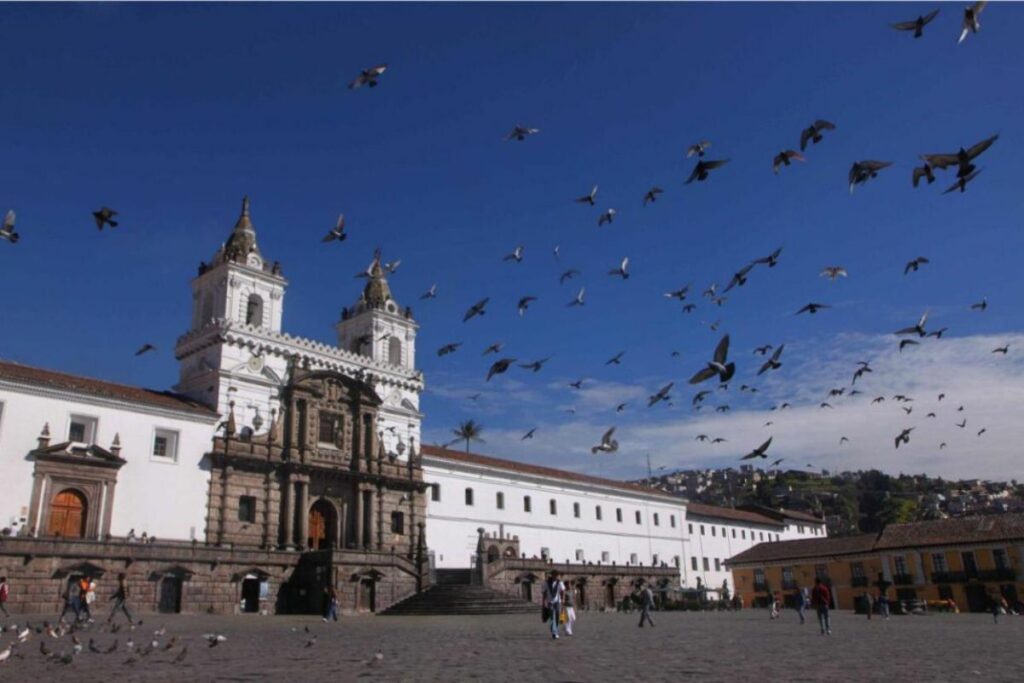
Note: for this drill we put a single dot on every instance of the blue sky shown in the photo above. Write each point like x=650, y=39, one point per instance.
x=171, y=113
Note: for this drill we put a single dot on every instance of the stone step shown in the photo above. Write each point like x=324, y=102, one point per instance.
x=460, y=599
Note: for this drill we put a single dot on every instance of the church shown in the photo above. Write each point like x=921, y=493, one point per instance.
x=280, y=466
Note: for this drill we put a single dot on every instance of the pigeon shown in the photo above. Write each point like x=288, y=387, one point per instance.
x=942, y=445
x=528, y=435
x=759, y=452
x=812, y=308
x=697, y=149
x=474, y=397
x=567, y=275
x=863, y=171
x=914, y=264
x=773, y=362
x=376, y=659
x=7, y=231
x=908, y=410
x=908, y=342
x=337, y=233
x=971, y=24
x=476, y=309
x=619, y=408
x=578, y=384
x=981, y=305
x=662, y=394
x=368, y=77
x=214, y=639
x=722, y=409
x=535, y=365
x=962, y=158
x=391, y=266
x=962, y=423
x=493, y=348
x=834, y=272
x=616, y=359
x=917, y=329
x=516, y=255
x=937, y=333
x=930, y=415
x=578, y=301
x=606, y=217
x=623, y=269
x=555, y=252
x=700, y=396
x=93, y=647
x=718, y=439
x=904, y=436
x=520, y=133
x=652, y=195
x=430, y=293
x=448, y=348
x=145, y=348
x=922, y=172
x=588, y=198
x=982, y=431
x=607, y=445
x=916, y=25
x=785, y=158
x=776, y=463
x=499, y=367
x=104, y=217
x=843, y=440
x=678, y=293
x=717, y=366
x=859, y=372
x=524, y=304
x=703, y=168
x=1002, y=349
x=689, y=308
x=825, y=404
x=813, y=132
x=961, y=183
x=739, y=278
x=771, y=260
x=701, y=437
x=763, y=350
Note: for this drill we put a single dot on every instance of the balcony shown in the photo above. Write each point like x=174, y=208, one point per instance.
x=903, y=579
x=858, y=581
x=948, y=577
x=1002, y=574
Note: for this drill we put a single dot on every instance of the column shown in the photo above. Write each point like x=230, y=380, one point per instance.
x=303, y=495
x=368, y=512
x=101, y=519
x=342, y=524
x=359, y=518
x=288, y=512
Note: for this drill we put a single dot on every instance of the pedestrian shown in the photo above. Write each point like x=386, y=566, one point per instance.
x=554, y=591
x=130, y=538
x=331, y=608
x=71, y=600
x=83, y=597
x=646, y=604
x=120, y=599
x=570, y=609
x=773, y=606
x=999, y=606
x=144, y=539
x=5, y=592
x=801, y=603
x=869, y=604
x=883, y=603
x=821, y=598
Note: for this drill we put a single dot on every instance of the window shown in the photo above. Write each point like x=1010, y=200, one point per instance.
x=701, y=529
x=395, y=351
x=657, y=522
x=636, y=516
x=787, y=578
x=938, y=563
x=435, y=493
x=618, y=514
x=999, y=558
x=499, y=500
x=605, y=556
x=633, y=558
x=576, y=510
x=761, y=534
x=579, y=555
x=553, y=506
x=743, y=534
x=759, y=583
x=672, y=521
x=857, y=570
x=165, y=444
x=800, y=528
x=330, y=427
x=82, y=429
x=713, y=531
x=689, y=528
x=734, y=533
x=777, y=537
x=469, y=496
x=693, y=563
x=254, y=311
x=707, y=565
x=945, y=592
x=247, y=509
x=820, y=571
x=597, y=512
x=527, y=504
x=397, y=522
x=718, y=565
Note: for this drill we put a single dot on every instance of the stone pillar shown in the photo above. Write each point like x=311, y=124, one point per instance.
x=342, y=523
x=303, y=496
x=359, y=518
x=379, y=517
x=288, y=512
x=222, y=522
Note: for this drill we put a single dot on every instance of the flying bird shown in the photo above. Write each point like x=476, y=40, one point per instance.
x=104, y=217
x=771, y=260
x=528, y=435
x=843, y=440
x=524, y=304
x=578, y=384
x=859, y=372
x=812, y=308
x=623, y=269
x=606, y=217
x=918, y=328
x=908, y=342
x=785, y=158
x=337, y=233
x=773, y=362
x=916, y=25
x=961, y=183
x=476, y=309
x=759, y=452
x=703, y=168
x=448, y=348
x=7, y=231
x=718, y=439
x=739, y=278
x=430, y=293
x=568, y=275
x=981, y=305
x=535, y=365
x=516, y=255
x=937, y=333
x=494, y=348
x=982, y=431
x=971, y=24
x=499, y=367
x=578, y=301
x=776, y=463
x=763, y=350
x=1002, y=349
x=588, y=198
x=717, y=366
x=813, y=132
x=616, y=359
x=607, y=445
x=368, y=77
x=662, y=395
x=863, y=171
x=697, y=149
x=652, y=195
x=678, y=293
x=834, y=272
x=145, y=348
x=520, y=133
x=962, y=158
x=914, y=264
x=904, y=436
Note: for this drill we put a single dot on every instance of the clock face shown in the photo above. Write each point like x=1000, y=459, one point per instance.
x=256, y=363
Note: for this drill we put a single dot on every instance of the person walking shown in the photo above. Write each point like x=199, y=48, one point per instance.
x=120, y=599
x=5, y=592
x=331, y=607
x=801, y=604
x=83, y=597
x=646, y=604
x=71, y=600
x=570, y=609
x=883, y=603
x=773, y=606
x=869, y=603
x=554, y=592
x=821, y=598
x=90, y=596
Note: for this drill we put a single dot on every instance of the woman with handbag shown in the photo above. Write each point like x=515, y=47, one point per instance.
x=554, y=592
x=569, y=609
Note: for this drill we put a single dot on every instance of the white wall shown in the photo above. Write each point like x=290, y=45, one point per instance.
x=165, y=499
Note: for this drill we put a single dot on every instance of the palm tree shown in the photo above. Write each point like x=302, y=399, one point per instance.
x=467, y=431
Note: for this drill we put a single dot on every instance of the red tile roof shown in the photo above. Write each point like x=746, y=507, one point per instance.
x=25, y=374
x=804, y=548
x=731, y=514
x=524, y=468
x=987, y=529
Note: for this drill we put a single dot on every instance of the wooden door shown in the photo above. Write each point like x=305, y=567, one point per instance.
x=68, y=514
x=317, y=529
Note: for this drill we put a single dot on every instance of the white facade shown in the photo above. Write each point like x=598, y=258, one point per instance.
x=591, y=521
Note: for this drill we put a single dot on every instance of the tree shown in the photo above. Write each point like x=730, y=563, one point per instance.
x=468, y=431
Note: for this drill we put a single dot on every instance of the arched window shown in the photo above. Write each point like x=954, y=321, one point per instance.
x=254, y=310
x=395, y=351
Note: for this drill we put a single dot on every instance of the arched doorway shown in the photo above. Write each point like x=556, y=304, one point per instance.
x=609, y=594
x=170, y=594
x=493, y=554
x=68, y=513
x=323, y=527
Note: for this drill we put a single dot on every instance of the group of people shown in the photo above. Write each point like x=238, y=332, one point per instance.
x=559, y=605
x=820, y=598
x=80, y=595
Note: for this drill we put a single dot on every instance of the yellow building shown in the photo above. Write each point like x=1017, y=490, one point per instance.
x=971, y=561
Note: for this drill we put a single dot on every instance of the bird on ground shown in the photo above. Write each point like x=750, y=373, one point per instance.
x=717, y=366
x=771, y=260
x=145, y=348
x=739, y=278
x=662, y=395
x=524, y=304
x=606, y=217
x=430, y=293
x=214, y=639
x=680, y=294
x=499, y=367
x=516, y=255
x=971, y=23
x=759, y=452
x=697, y=149
x=588, y=198
x=908, y=342
x=814, y=131
x=623, y=269
x=922, y=172
x=918, y=328
x=476, y=309
x=937, y=333
x=834, y=272
x=773, y=362
x=535, y=365
x=104, y=217
x=607, y=445
x=368, y=77
x=961, y=183
x=7, y=231
x=863, y=171
x=616, y=359
x=785, y=158
x=916, y=25
x=448, y=348
x=578, y=300
x=981, y=305
x=337, y=233
x=528, y=435
x=812, y=308
x=904, y=436
x=494, y=348
x=703, y=168
x=1002, y=349
x=567, y=275
x=962, y=158
x=763, y=350
x=652, y=195
x=520, y=133
x=93, y=647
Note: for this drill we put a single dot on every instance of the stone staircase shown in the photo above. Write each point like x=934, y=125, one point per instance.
x=453, y=594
